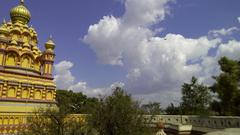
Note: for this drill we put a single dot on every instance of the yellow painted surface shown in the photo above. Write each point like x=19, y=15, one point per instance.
x=14, y=37
x=26, y=79
x=26, y=62
x=49, y=95
x=25, y=39
x=11, y=92
x=25, y=93
x=37, y=66
x=38, y=94
x=50, y=69
x=23, y=86
x=20, y=107
x=46, y=68
x=11, y=60
x=1, y=58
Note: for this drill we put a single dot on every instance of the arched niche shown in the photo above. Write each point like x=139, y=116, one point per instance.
x=25, y=93
x=11, y=59
x=11, y=121
x=38, y=94
x=49, y=95
x=5, y=121
x=15, y=33
x=26, y=36
x=16, y=121
x=26, y=61
x=11, y=92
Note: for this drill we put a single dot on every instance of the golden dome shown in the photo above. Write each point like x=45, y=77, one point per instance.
x=20, y=14
x=50, y=45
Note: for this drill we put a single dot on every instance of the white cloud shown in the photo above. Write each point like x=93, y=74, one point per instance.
x=157, y=66
x=144, y=13
x=238, y=19
x=94, y=92
x=230, y=49
x=223, y=31
x=63, y=78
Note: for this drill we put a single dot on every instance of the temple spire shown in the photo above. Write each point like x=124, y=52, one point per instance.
x=21, y=1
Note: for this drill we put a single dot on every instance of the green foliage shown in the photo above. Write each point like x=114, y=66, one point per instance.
x=118, y=114
x=196, y=98
x=152, y=108
x=53, y=122
x=173, y=110
x=227, y=88
x=75, y=103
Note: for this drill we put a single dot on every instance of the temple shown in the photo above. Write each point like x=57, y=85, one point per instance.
x=26, y=81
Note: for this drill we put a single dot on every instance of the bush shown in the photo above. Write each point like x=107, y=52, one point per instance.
x=119, y=114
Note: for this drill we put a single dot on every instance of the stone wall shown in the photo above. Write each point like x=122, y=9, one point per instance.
x=216, y=122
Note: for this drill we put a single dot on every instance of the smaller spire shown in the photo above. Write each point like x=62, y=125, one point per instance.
x=50, y=45
x=22, y=2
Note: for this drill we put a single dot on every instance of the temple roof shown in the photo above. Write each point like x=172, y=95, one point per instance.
x=20, y=14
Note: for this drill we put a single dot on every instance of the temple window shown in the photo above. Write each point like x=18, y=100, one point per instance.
x=15, y=37
x=49, y=95
x=25, y=38
x=25, y=93
x=5, y=121
x=11, y=120
x=38, y=94
x=26, y=61
x=11, y=59
x=11, y=92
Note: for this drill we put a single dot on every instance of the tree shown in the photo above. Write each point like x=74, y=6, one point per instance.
x=196, y=98
x=227, y=88
x=152, y=108
x=118, y=114
x=75, y=103
x=173, y=110
x=53, y=122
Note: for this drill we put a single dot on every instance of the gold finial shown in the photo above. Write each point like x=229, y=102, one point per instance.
x=50, y=45
x=21, y=1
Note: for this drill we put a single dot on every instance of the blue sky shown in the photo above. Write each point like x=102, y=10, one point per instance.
x=147, y=68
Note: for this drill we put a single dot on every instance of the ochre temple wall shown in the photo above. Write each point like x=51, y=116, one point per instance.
x=13, y=123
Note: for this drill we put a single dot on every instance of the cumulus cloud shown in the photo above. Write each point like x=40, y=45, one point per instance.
x=94, y=92
x=223, y=31
x=238, y=19
x=157, y=66
x=65, y=80
x=144, y=13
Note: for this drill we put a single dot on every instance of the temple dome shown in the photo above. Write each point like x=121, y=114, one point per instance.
x=50, y=45
x=20, y=14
